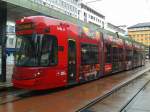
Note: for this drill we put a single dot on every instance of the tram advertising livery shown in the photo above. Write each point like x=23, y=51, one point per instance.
x=52, y=53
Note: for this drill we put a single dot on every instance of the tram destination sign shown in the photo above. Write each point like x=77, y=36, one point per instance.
x=24, y=26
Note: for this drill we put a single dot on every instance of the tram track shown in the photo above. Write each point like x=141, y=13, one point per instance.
x=87, y=108
x=123, y=109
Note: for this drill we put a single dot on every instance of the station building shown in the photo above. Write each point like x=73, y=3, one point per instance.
x=140, y=33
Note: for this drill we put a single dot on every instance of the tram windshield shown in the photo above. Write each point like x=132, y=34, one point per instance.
x=36, y=50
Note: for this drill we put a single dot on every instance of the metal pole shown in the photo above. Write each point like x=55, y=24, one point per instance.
x=3, y=21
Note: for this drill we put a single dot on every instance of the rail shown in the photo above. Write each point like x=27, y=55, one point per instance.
x=95, y=101
x=123, y=109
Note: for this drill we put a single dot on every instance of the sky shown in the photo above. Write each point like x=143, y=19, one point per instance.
x=123, y=12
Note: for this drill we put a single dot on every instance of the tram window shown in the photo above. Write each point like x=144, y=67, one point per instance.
x=115, y=54
x=49, y=50
x=36, y=50
x=108, y=54
x=129, y=55
x=120, y=54
x=135, y=54
x=89, y=54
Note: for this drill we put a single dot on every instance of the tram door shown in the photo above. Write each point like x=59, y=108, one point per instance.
x=71, y=62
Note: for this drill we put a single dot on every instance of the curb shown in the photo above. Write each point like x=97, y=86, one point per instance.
x=6, y=87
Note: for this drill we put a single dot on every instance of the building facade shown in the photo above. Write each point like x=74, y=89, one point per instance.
x=68, y=7
x=140, y=33
x=115, y=29
x=89, y=15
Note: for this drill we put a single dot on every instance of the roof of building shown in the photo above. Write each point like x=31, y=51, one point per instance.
x=92, y=10
x=140, y=25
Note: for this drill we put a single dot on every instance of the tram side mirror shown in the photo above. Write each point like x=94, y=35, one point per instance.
x=61, y=48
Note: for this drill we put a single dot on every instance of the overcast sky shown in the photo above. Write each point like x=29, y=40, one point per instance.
x=123, y=12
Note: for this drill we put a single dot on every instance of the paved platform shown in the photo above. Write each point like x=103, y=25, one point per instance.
x=7, y=84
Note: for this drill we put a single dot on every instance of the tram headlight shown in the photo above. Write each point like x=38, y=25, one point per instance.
x=37, y=75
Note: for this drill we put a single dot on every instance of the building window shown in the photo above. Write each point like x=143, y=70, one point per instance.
x=85, y=17
x=142, y=40
x=94, y=18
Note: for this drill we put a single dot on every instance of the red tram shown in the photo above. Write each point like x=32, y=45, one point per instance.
x=52, y=53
